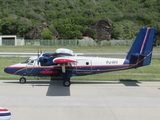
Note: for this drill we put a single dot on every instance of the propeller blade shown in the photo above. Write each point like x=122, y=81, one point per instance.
x=38, y=56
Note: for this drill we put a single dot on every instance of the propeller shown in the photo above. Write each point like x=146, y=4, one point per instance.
x=38, y=55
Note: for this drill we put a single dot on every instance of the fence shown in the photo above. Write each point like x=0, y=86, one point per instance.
x=82, y=42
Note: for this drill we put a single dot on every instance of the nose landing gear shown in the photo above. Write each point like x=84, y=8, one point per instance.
x=22, y=80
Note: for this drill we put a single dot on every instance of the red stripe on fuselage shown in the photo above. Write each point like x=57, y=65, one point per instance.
x=49, y=72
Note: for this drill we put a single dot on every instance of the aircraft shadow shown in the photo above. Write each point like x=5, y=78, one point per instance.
x=126, y=82
x=58, y=89
x=55, y=88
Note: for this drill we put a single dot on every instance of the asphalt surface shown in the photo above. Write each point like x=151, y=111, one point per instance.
x=83, y=100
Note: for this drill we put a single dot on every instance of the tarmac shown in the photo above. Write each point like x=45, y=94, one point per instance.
x=83, y=100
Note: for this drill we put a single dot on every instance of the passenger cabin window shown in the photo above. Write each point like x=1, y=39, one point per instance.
x=87, y=63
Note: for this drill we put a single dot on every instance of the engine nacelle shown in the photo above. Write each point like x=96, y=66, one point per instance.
x=46, y=59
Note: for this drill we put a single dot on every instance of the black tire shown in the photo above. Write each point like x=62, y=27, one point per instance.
x=67, y=82
x=22, y=80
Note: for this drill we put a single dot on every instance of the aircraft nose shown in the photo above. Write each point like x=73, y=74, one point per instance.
x=7, y=70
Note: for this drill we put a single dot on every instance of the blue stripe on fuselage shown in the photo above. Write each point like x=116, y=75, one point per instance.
x=37, y=71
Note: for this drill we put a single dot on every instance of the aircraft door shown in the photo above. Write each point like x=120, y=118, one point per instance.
x=84, y=66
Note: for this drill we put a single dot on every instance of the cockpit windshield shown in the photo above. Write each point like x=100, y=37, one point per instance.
x=30, y=60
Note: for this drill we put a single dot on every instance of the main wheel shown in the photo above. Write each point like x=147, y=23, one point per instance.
x=22, y=80
x=66, y=82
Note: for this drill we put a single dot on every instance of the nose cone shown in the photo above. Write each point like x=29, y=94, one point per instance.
x=16, y=69
x=4, y=114
x=6, y=70
x=9, y=70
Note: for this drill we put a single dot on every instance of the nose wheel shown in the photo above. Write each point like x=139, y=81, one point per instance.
x=22, y=80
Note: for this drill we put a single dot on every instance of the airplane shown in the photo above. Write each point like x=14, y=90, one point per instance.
x=5, y=114
x=63, y=62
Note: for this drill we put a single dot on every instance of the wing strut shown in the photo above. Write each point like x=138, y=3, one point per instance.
x=63, y=68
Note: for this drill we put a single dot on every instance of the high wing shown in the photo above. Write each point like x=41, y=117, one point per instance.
x=61, y=60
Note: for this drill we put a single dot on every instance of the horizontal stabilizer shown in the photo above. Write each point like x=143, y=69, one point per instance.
x=138, y=54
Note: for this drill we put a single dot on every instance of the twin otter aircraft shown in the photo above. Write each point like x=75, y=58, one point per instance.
x=66, y=64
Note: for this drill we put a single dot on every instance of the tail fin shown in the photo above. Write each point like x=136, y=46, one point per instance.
x=140, y=53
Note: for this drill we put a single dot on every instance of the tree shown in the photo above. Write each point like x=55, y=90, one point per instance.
x=47, y=34
x=77, y=15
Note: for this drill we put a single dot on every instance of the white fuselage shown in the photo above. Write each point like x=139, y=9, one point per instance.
x=96, y=61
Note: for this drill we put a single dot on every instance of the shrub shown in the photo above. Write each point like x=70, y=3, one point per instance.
x=46, y=34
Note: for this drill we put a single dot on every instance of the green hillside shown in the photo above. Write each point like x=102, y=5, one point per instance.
x=71, y=17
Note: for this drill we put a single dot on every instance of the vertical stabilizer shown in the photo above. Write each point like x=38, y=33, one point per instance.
x=141, y=50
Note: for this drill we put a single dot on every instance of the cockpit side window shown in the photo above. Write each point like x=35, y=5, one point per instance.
x=30, y=62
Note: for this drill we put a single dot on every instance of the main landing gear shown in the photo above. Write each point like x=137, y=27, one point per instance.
x=66, y=82
x=66, y=76
x=22, y=80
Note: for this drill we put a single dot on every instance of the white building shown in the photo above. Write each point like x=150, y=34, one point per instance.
x=11, y=38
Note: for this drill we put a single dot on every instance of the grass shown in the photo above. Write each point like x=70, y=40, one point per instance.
x=77, y=49
x=148, y=73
